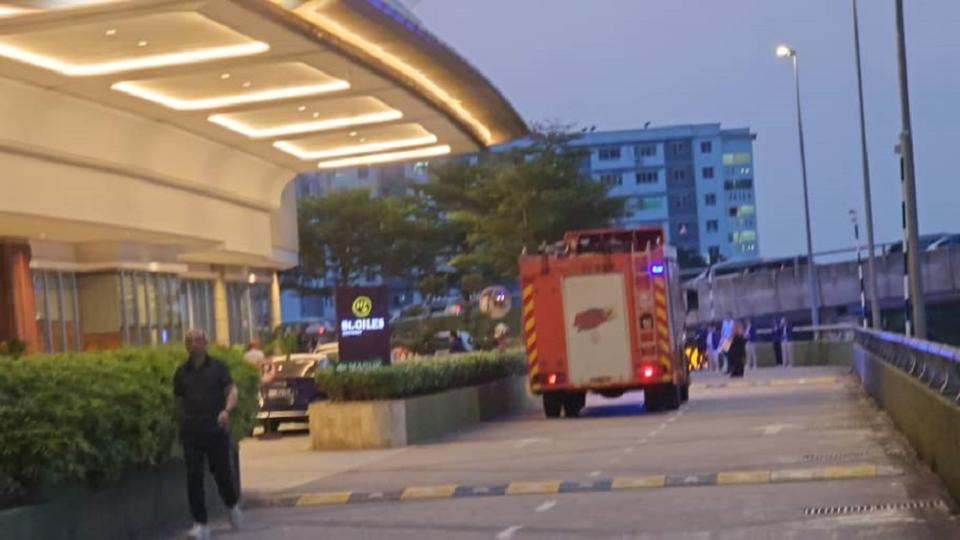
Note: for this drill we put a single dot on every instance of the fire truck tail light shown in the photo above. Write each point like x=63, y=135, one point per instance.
x=550, y=378
x=649, y=371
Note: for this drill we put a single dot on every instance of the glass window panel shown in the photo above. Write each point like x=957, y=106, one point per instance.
x=40, y=297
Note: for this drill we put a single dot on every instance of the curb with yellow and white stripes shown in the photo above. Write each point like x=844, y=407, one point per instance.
x=551, y=487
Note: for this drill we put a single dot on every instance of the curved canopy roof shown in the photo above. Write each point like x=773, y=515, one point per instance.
x=298, y=84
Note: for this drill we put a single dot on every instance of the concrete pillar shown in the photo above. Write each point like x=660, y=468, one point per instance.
x=18, y=310
x=221, y=315
x=275, y=310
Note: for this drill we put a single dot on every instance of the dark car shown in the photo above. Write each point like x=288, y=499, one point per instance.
x=290, y=389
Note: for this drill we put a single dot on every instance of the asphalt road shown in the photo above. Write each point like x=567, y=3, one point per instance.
x=802, y=454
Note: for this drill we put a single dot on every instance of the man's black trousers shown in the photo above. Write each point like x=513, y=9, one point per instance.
x=211, y=447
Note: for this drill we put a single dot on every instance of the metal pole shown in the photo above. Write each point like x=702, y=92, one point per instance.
x=811, y=266
x=911, y=241
x=867, y=199
x=863, y=295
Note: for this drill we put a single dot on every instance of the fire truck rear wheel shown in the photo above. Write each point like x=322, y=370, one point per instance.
x=574, y=403
x=552, y=404
x=662, y=397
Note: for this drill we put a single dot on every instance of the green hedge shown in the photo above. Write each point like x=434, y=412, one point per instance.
x=419, y=377
x=91, y=417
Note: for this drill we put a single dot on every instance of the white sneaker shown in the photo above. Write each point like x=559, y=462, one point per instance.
x=199, y=532
x=236, y=517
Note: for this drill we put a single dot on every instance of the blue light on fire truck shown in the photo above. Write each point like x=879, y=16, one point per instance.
x=657, y=269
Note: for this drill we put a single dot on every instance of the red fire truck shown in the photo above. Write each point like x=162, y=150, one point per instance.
x=603, y=312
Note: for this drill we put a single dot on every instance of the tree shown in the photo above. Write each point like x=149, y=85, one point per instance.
x=522, y=198
x=352, y=236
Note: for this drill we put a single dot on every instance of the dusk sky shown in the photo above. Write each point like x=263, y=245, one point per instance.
x=616, y=64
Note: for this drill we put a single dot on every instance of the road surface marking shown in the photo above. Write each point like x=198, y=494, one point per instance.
x=636, y=482
x=743, y=477
x=546, y=506
x=629, y=450
x=429, y=492
x=613, y=461
x=508, y=533
x=523, y=443
x=773, y=429
x=642, y=441
x=533, y=488
x=317, y=499
x=850, y=471
x=595, y=473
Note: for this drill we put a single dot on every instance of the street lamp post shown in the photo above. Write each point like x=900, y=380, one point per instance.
x=863, y=295
x=916, y=306
x=867, y=199
x=784, y=51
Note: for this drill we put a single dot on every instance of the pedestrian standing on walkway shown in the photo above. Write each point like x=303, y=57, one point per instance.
x=713, y=348
x=737, y=351
x=786, y=336
x=205, y=395
x=726, y=335
x=777, y=340
x=750, y=333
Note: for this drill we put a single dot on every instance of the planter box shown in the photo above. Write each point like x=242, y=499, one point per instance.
x=399, y=422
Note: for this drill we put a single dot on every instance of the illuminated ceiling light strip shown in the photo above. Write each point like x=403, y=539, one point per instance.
x=117, y=66
x=345, y=34
x=10, y=11
x=134, y=89
x=432, y=151
x=292, y=148
x=303, y=127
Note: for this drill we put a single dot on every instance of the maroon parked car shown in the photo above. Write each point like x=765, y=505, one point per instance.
x=290, y=390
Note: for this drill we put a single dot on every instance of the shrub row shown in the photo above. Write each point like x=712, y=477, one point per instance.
x=419, y=377
x=91, y=417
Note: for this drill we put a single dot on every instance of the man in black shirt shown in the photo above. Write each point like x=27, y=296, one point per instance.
x=205, y=396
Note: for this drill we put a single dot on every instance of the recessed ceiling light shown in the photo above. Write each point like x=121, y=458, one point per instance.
x=316, y=115
x=111, y=32
x=253, y=132
x=224, y=76
x=247, y=84
x=141, y=91
x=362, y=139
x=142, y=43
x=432, y=151
x=353, y=133
x=292, y=147
x=302, y=108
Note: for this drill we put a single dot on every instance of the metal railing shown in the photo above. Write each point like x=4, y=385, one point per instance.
x=934, y=364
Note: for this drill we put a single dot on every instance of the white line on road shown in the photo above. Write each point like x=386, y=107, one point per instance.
x=595, y=473
x=629, y=450
x=546, y=506
x=508, y=533
x=523, y=443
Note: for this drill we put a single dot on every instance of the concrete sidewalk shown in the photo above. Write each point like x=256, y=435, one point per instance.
x=282, y=464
